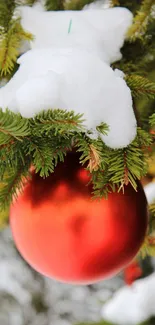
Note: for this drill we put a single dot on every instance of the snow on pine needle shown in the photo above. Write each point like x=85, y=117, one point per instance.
x=68, y=67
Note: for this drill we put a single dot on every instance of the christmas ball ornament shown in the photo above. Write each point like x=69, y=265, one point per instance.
x=64, y=234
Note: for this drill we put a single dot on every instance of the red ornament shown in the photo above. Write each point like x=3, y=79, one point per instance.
x=132, y=273
x=64, y=234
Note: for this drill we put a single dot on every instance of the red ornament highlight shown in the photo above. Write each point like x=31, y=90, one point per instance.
x=64, y=234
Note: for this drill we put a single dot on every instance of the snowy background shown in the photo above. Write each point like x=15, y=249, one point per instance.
x=26, y=298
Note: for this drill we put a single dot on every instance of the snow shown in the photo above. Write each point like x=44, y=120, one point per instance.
x=149, y=190
x=26, y=94
x=72, y=80
x=68, y=67
x=99, y=31
x=132, y=305
x=64, y=304
x=99, y=4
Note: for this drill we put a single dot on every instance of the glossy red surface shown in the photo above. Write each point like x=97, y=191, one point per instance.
x=64, y=234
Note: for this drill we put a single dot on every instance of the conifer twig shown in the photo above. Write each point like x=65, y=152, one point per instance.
x=140, y=23
x=94, y=161
x=140, y=86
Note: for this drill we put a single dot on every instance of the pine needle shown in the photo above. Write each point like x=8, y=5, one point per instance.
x=12, y=126
x=140, y=86
x=9, y=45
x=141, y=20
x=76, y=4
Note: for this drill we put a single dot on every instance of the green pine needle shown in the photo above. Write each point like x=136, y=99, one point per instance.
x=140, y=86
x=9, y=46
x=141, y=21
x=14, y=182
x=12, y=127
x=57, y=121
x=152, y=119
x=76, y=4
x=54, y=5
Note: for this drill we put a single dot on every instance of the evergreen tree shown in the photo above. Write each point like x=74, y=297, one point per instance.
x=42, y=141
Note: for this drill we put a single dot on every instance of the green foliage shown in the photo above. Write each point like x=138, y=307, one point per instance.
x=98, y=323
x=42, y=141
x=131, y=5
x=102, y=128
x=9, y=44
x=54, y=4
x=12, y=126
x=4, y=213
x=7, y=8
x=141, y=20
x=114, y=3
x=57, y=121
x=123, y=166
x=13, y=183
x=151, y=321
x=152, y=119
x=152, y=218
x=30, y=2
x=76, y=4
x=140, y=86
x=148, y=248
x=11, y=35
x=46, y=153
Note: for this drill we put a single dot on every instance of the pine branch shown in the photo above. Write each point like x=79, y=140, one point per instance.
x=103, y=128
x=14, y=182
x=102, y=185
x=54, y=4
x=12, y=126
x=152, y=120
x=30, y=2
x=114, y=3
x=4, y=218
x=141, y=20
x=57, y=121
x=93, y=152
x=94, y=160
x=76, y=4
x=4, y=213
x=83, y=143
x=45, y=154
x=140, y=86
x=45, y=139
x=7, y=8
x=9, y=45
x=129, y=164
x=148, y=247
x=122, y=166
x=152, y=219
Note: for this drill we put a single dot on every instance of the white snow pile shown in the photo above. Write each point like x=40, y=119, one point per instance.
x=149, y=190
x=132, y=305
x=68, y=67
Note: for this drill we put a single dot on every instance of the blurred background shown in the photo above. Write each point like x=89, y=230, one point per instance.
x=27, y=298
